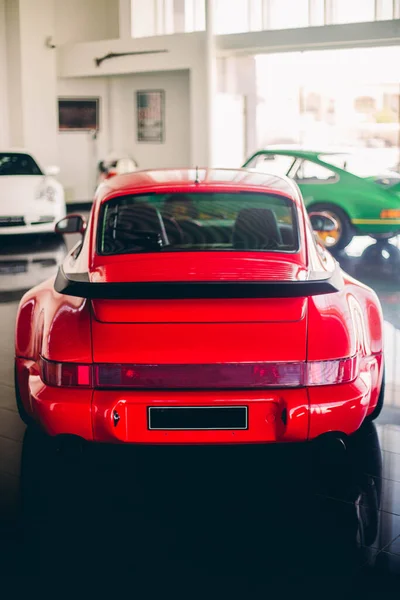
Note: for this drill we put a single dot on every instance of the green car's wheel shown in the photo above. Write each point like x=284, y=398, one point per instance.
x=342, y=236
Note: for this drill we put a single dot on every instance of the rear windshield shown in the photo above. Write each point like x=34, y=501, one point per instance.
x=195, y=222
x=18, y=164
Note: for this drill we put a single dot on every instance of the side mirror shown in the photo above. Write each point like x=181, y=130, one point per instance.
x=322, y=222
x=71, y=224
x=52, y=171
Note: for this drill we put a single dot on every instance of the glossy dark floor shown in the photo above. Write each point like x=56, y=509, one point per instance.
x=240, y=519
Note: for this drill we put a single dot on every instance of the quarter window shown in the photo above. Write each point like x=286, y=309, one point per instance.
x=310, y=172
x=275, y=164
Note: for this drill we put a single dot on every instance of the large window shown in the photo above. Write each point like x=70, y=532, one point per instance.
x=232, y=16
x=286, y=14
x=161, y=17
x=352, y=11
x=335, y=100
x=195, y=15
x=200, y=221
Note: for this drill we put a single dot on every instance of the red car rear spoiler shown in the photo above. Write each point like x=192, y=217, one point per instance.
x=78, y=284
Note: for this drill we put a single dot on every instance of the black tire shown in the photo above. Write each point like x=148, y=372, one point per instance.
x=347, y=231
x=379, y=406
x=27, y=419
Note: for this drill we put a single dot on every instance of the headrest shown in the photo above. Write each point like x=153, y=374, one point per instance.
x=256, y=229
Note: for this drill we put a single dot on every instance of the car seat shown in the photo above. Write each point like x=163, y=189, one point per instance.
x=256, y=229
x=134, y=227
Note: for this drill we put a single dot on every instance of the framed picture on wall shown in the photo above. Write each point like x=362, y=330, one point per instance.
x=78, y=114
x=150, y=111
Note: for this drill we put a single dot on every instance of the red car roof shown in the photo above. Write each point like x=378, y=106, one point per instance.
x=169, y=180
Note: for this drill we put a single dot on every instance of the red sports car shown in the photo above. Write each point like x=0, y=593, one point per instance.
x=199, y=308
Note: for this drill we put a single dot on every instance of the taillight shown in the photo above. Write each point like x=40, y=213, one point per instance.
x=206, y=376
x=227, y=376
x=331, y=372
x=66, y=374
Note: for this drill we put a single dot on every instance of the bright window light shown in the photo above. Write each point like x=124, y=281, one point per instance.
x=286, y=14
x=231, y=16
x=353, y=11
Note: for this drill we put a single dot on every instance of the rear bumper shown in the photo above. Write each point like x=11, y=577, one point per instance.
x=273, y=416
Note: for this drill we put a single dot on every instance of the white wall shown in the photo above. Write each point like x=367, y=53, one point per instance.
x=38, y=79
x=179, y=53
x=13, y=74
x=229, y=131
x=4, y=142
x=78, y=152
x=175, y=151
x=86, y=20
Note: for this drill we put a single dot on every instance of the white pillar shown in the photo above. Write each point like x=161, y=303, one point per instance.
x=3, y=79
x=32, y=77
x=202, y=97
x=125, y=19
x=211, y=76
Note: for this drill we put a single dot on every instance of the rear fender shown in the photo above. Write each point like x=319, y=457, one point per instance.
x=55, y=326
x=51, y=325
x=348, y=323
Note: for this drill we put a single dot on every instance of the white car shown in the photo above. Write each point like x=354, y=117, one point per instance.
x=31, y=200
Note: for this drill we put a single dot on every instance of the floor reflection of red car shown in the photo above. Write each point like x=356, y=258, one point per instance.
x=199, y=308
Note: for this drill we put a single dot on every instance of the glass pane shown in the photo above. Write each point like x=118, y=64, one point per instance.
x=353, y=11
x=169, y=16
x=143, y=18
x=231, y=16
x=384, y=10
x=159, y=13
x=189, y=16
x=286, y=14
x=275, y=164
x=202, y=221
x=199, y=15
x=317, y=12
x=256, y=15
x=310, y=170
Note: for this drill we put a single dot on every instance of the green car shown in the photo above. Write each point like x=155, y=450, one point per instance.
x=359, y=206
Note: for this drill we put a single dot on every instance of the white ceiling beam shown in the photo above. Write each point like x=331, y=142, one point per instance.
x=379, y=33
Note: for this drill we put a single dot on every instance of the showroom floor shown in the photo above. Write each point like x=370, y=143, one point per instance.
x=236, y=518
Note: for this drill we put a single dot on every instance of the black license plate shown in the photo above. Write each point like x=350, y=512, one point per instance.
x=197, y=417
